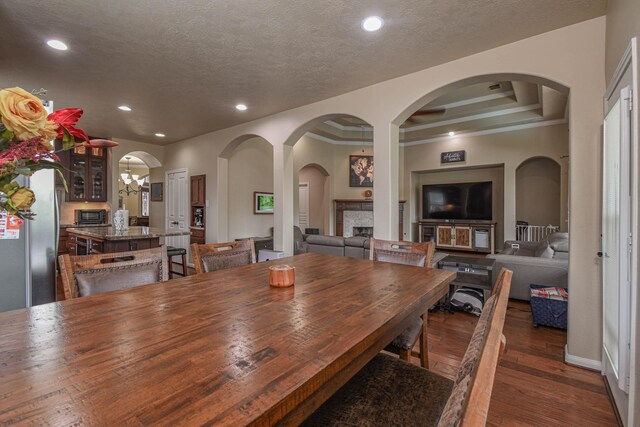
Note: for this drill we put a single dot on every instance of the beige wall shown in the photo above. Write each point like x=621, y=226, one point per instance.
x=571, y=57
x=623, y=23
x=538, y=192
x=319, y=203
x=250, y=169
x=493, y=174
x=156, y=209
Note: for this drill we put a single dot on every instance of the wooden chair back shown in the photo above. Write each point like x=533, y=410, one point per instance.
x=476, y=407
x=70, y=265
x=217, y=256
x=410, y=253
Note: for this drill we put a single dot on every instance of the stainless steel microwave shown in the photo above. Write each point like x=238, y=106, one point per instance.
x=90, y=216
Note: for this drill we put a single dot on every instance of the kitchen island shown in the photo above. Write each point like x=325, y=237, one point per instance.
x=90, y=240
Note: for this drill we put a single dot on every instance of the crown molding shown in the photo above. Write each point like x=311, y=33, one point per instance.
x=512, y=128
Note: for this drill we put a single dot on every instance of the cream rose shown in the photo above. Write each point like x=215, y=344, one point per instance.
x=23, y=114
x=23, y=199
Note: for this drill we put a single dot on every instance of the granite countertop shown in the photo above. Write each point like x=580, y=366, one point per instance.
x=132, y=233
x=83, y=225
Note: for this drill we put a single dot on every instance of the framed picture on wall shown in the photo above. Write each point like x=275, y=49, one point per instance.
x=262, y=203
x=156, y=191
x=360, y=171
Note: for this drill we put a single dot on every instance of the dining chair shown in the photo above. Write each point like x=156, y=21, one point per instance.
x=389, y=391
x=409, y=253
x=218, y=256
x=84, y=275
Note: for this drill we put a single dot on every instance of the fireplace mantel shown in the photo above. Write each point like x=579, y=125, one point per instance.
x=342, y=205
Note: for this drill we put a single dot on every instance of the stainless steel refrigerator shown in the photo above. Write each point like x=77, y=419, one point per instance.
x=28, y=264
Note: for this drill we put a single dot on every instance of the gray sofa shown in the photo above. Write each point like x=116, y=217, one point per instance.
x=542, y=263
x=354, y=247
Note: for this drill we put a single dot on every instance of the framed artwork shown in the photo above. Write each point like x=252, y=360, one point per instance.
x=360, y=171
x=156, y=191
x=262, y=203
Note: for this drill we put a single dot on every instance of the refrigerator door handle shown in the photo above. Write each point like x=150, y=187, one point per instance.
x=56, y=213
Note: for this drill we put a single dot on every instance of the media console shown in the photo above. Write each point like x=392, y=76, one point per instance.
x=478, y=236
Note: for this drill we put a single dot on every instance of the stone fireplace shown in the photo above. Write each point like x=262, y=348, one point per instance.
x=355, y=217
x=363, y=231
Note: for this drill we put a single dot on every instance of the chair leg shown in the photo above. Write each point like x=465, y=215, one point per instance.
x=424, y=344
x=405, y=355
x=170, y=268
x=184, y=265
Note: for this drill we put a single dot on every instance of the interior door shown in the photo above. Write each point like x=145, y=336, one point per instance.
x=616, y=248
x=303, y=209
x=177, y=206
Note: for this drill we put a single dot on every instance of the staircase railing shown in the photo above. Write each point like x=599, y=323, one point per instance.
x=534, y=233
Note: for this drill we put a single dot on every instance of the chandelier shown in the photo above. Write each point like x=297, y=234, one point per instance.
x=129, y=180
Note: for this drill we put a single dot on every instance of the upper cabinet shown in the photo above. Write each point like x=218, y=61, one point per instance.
x=87, y=175
x=198, y=196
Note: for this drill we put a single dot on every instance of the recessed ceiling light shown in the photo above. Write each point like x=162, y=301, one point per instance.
x=124, y=108
x=372, y=23
x=160, y=135
x=57, y=44
x=452, y=133
x=241, y=107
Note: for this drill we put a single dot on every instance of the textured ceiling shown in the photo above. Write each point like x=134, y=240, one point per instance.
x=183, y=65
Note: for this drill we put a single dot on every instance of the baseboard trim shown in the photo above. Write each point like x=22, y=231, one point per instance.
x=582, y=362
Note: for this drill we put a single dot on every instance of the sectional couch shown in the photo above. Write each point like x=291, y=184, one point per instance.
x=355, y=247
x=542, y=263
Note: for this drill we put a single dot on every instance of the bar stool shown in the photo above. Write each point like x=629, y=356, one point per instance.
x=173, y=251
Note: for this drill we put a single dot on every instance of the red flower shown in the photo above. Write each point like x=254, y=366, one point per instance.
x=67, y=119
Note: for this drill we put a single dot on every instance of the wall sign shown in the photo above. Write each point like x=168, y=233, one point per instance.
x=452, y=156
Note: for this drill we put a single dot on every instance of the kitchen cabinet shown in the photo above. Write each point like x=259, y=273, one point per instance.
x=198, y=208
x=87, y=173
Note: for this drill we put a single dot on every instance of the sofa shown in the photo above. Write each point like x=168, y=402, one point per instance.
x=354, y=247
x=542, y=263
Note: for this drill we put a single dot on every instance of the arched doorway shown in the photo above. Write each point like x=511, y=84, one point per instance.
x=136, y=170
x=248, y=162
x=480, y=124
x=314, y=199
x=539, y=202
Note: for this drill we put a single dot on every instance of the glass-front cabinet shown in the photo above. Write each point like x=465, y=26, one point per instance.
x=87, y=176
x=77, y=181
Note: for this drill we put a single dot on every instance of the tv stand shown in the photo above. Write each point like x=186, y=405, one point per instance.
x=472, y=236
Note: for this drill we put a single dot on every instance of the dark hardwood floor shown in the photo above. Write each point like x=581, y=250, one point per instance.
x=533, y=387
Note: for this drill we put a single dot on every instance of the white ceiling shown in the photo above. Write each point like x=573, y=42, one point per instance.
x=183, y=65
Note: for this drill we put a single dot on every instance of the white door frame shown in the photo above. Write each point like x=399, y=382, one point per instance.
x=307, y=186
x=628, y=405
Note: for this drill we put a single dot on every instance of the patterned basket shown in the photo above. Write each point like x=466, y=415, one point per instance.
x=549, y=308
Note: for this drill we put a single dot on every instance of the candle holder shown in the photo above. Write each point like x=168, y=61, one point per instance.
x=282, y=276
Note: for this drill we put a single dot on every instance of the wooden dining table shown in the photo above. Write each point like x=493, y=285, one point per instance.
x=219, y=348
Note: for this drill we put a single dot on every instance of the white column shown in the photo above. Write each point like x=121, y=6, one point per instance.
x=386, y=152
x=222, y=208
x=283, y=195
x=509, y=203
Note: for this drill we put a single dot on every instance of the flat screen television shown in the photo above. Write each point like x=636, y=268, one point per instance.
x=467, y=201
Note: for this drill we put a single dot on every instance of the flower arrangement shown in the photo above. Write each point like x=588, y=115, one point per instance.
x=26, y=132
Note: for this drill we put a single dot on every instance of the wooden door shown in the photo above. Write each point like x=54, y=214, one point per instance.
x=97, y=175
x=463, y=237
x=445, y=236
